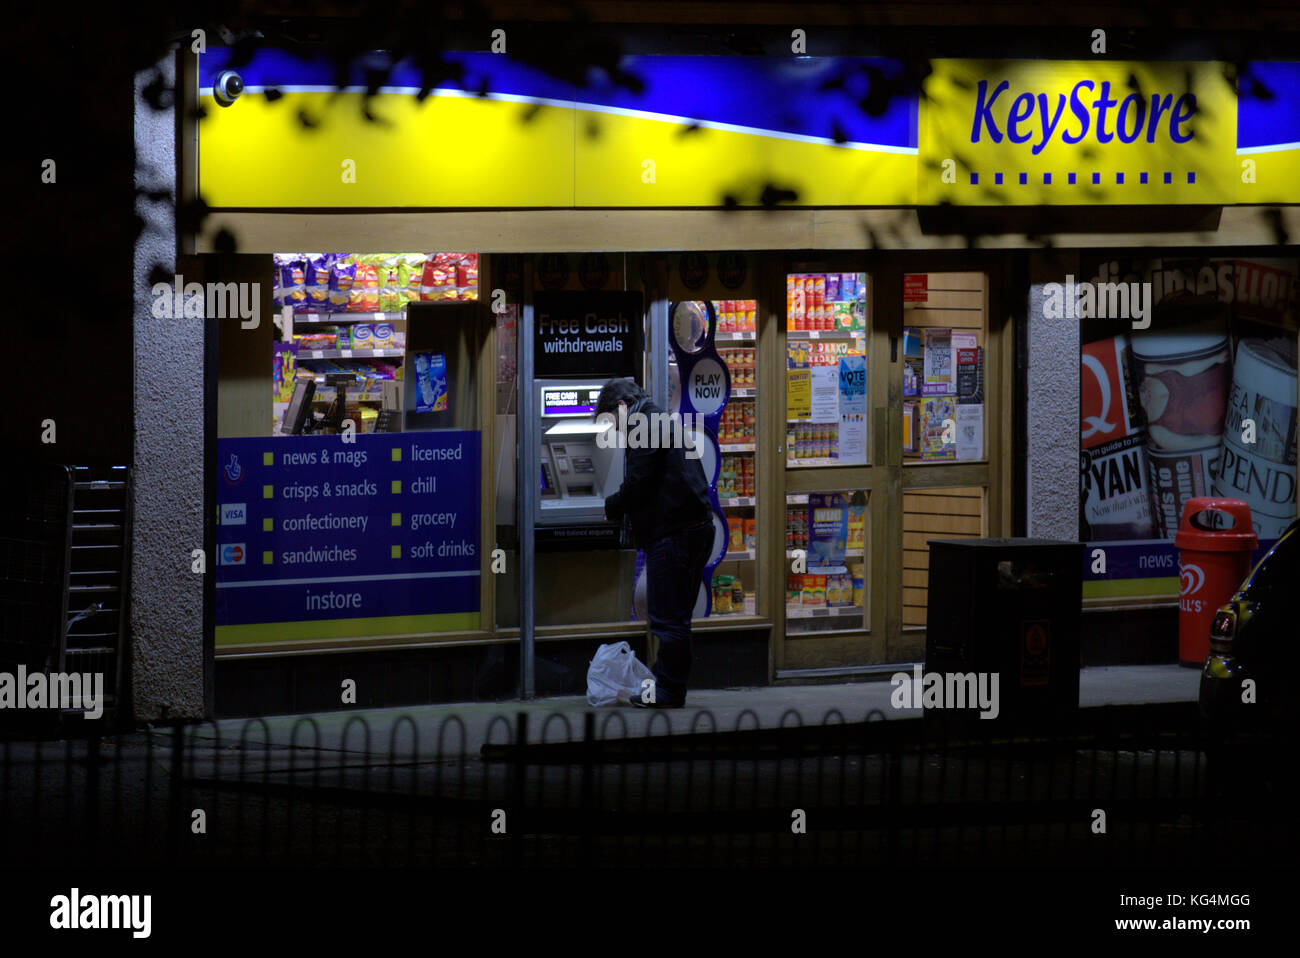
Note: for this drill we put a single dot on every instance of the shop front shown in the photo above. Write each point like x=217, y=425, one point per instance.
x=439, y=322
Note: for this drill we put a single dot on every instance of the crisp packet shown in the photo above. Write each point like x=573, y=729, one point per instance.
x=467, y=271
x=293, y=283
x=414, y=274
x=438, y=277
x=316, y=340
x=342, y=281
x=368, y=278
x=390, y=285
x=318, y=282
x=381, y=336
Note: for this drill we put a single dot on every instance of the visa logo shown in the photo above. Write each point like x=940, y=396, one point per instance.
x=232, y=553
x=234, y=513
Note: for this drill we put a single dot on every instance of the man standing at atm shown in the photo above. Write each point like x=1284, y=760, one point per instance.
x=664, y=498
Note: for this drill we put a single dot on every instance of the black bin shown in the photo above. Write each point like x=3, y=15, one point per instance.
x=1010, y=607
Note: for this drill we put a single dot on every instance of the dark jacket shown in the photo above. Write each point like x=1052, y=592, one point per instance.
x=663, y=491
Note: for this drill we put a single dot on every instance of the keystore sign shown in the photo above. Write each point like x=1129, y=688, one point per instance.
x=1078, y=132
x=985, y=132
x=319, y=538
x=590, y=333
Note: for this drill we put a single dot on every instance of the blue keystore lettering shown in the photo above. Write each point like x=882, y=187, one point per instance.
x=982, y=114
x=1102, y=104
x=1093, y=108
x=1079, y=110
x=1022, y=108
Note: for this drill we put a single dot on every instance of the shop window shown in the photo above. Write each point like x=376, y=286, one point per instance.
x=826, y=369
x=956, y=513
x=735, y=579
x=944, y=337
x=827, y=581
x=1200, y=402
x=354, y=510
x=344, y=328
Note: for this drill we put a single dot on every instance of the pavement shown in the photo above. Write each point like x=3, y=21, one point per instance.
x=445, y=730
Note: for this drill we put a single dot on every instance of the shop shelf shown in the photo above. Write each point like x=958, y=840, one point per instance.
x=736, y=447
x=848, y=554
x=843, y=611
x=738, y=502
x=351, y=353
x=743, y=392
x=348, y=317
x=745, y=337
x=745, y=555
x=808, y=463
x=823, y=333
x=327, y=395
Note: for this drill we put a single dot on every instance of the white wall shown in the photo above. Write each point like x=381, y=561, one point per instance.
x=1052, y=484
x=167, y=598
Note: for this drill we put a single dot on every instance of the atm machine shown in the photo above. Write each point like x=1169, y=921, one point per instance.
x=577, y=474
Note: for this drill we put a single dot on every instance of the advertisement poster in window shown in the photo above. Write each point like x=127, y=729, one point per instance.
x=1196, y=398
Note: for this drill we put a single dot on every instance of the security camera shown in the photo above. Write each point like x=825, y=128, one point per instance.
x=227, y=87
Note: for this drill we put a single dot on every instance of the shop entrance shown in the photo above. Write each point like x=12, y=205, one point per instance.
x=896, y=418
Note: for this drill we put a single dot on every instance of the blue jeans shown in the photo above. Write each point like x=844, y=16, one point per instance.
x=674, y=572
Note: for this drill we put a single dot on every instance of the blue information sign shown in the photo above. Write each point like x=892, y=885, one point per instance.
x=322, y=538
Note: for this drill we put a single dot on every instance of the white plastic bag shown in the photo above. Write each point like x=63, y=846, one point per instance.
x=615, y=675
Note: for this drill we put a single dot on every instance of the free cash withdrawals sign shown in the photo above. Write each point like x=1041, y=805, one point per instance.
x=318, y=538
x=592, y=333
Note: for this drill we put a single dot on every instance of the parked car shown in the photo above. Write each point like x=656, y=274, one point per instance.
x=1255, y=636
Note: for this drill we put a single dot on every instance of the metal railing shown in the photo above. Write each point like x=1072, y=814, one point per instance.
x=1126, y=786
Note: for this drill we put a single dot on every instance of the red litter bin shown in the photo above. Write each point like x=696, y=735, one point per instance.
x=1215, y=541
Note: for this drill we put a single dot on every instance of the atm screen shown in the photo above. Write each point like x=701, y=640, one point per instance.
x=569, y=401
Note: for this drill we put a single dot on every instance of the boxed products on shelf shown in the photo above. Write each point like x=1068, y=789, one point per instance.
x=736, y=315
x=796, y=529
x=812, y=590
x=826, y=301
x=815, y=590
x=317, y=339
x=857, y=527
x=857, y=580
x=740, y=365
x=736, y=477
x=737, y=424
x=722, y=588
x=812, y=440
x=735, y=534
x=839, y=590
